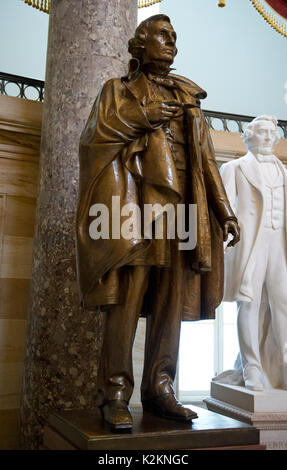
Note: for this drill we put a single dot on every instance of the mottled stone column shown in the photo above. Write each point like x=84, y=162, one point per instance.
x=87, y=45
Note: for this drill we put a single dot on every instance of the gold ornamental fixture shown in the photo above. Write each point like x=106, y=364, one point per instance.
x=276, y=21
x=42, y=5
x=147, y=3
x=273, y=11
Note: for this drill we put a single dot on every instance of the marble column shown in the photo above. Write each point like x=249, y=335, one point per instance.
x=87, y=45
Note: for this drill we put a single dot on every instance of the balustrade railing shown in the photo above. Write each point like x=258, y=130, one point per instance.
x=28, y=88
x=235, y=122
x=21, y=87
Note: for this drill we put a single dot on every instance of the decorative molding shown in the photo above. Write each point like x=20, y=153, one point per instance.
x=22, y=116
x=20, y=129
x=16, y=139
x=266, y=421
x=228, y=410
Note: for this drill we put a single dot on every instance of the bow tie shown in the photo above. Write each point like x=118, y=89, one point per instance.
x=265, y=158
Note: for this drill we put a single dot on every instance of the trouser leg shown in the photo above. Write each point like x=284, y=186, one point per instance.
x=115, y=376
x=248, y=333
x=276, y=284
x=248, y=314
x=163, y=329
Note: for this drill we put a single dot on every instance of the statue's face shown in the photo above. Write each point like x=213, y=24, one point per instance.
x=159, y=43
x=264, y=137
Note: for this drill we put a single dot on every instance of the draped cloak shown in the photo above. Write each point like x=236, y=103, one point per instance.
x=122, y=154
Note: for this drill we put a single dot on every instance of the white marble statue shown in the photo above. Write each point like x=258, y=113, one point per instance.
x=256, y=268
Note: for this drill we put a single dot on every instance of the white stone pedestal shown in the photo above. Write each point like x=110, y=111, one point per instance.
x=266, y=410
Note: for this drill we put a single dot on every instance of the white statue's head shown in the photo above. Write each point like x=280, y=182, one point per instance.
x=261, y=135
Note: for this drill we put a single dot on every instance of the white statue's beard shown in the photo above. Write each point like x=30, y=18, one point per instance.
x=266, y=150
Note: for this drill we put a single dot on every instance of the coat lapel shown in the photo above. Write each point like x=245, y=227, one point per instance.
x=139, y=88
x=251, y=170
x=284, y=173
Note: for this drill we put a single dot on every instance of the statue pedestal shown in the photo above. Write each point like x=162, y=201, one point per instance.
x=267, y=410
x=85, y=430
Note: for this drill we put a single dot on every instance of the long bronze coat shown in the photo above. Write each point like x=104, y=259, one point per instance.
x=120, y=152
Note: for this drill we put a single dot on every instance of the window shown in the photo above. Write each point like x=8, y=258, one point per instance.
x=207, y=348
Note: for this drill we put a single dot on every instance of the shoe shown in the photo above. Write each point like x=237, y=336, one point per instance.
x=252, y=379
x=117, y=414
x=167, y=406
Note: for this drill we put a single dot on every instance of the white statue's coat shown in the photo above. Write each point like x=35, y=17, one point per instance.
x=245, y=190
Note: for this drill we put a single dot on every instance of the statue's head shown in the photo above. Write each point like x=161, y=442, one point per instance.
x=154, y=41
x=261, y=135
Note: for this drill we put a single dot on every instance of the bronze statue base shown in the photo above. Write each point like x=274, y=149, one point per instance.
x=86, y=430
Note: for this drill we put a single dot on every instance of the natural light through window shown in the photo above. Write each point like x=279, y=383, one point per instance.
x=196, y=355
x=207, y=348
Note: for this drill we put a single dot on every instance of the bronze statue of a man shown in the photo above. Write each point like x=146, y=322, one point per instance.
x=146, y=142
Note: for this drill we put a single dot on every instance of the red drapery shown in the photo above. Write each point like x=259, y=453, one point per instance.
x=280, y=6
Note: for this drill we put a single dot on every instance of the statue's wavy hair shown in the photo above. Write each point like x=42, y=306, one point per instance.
x=136, y=44
x=249, y=131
